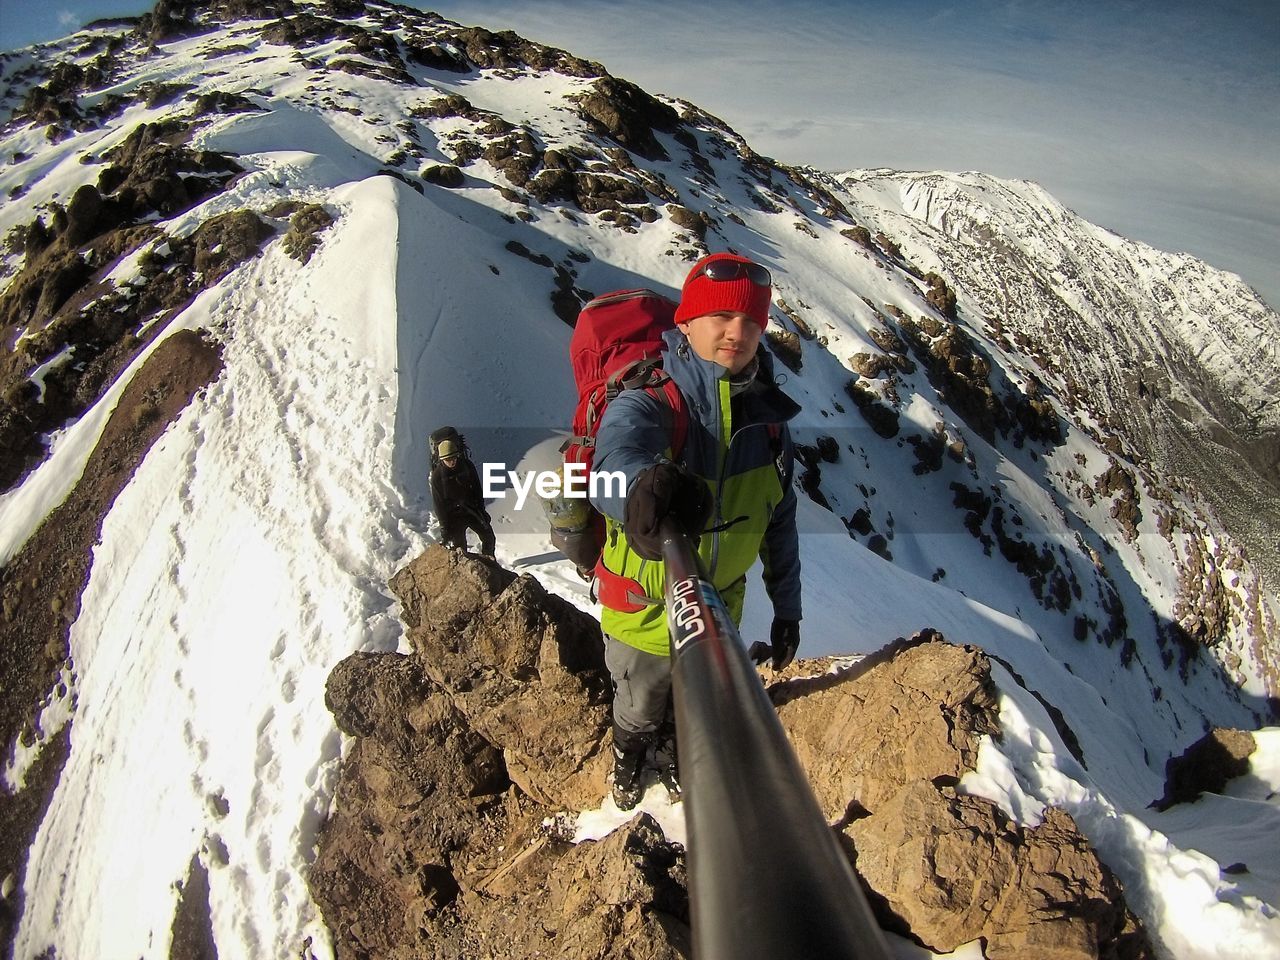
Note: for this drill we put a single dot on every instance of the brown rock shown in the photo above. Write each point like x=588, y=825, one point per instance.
x=224, y=242
x=624, y=896
x=444, y=175
x=918, y=712
x=1207, y=765
x=525, y=668
x=626, y=113
x=785, y=345
x=405, y=817
x=954, y=869
x=686, y=219
x=883, y=745
x=432, y=851
x=871, y=365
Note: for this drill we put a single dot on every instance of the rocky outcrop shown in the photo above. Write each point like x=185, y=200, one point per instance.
x=881, y=417
x=623, y=112
x=885, y=748
x=525, y=669
x=954, y=869
x=1206, y=766
x=497, y=721
x=450, y=836
x=60, y=306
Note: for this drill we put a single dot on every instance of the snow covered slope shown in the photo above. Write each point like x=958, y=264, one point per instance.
x=1179, y=359
x=965, y=468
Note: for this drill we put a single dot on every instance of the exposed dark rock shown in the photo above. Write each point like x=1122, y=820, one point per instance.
x=224, y=242
x=944, y=866
x=860, y=522
x=873, y=366
x=686, y=219
x=307, y=30
x=517, y=157
x=890, y=248
x=55, y=101
x=887, y=340
x=628, y=115
x=961, y=372
x=928, y=451
x=878, y=544
x=525, y=668
x=1207, y=766
x=151, y=174
x=161, y=94
x=444, y=175
x=169, y=20
x=302, y=239
x=811, y=484
x=221, y=102
x=940, y=296
x=443, y=841
x=552, y=185
x=60, y=303
x=192, y=926
x=377, y=71
x=436, y=56
x=506, y=49
x=801, y=325
x=453, y=105
x=882, y=418
x=595, y=192
x=1118, y=482
x=859, y=235
x=462, y=750
x=785, y=345
x=829, y=449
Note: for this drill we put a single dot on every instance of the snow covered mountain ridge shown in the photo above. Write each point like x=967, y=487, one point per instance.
x=254, y=253
x=1179, y=359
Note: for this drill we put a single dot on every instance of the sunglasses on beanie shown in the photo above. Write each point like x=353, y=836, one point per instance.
x=732, y=270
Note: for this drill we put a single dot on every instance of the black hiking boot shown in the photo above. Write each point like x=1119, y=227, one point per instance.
x=626, y=778
x=664, y=758
x=669, y=776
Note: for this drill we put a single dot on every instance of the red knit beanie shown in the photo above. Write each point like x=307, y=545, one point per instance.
x=702, y=295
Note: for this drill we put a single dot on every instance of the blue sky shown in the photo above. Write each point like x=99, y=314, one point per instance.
x=1159, y=119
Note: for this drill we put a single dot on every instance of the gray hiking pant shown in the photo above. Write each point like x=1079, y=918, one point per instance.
x=641, y=687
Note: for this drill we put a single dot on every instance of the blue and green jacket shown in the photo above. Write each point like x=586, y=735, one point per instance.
x=746, y=465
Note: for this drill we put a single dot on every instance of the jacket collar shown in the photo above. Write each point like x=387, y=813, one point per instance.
x=698, y=380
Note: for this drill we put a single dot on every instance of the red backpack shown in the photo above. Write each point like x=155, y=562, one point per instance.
x=616, y=345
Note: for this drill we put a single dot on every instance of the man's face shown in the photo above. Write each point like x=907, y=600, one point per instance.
x=729, y=339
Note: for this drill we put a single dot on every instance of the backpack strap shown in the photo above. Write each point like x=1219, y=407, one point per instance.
x=631, y=376
x=646, y=374
x=663, y=388
x=659, y=385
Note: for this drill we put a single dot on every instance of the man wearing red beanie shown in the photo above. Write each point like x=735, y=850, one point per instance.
x=730, y=486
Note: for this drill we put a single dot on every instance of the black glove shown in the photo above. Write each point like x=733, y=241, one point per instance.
x=785, y=637
x=664, y=490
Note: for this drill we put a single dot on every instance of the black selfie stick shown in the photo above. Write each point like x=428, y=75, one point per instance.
x=767, y=877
